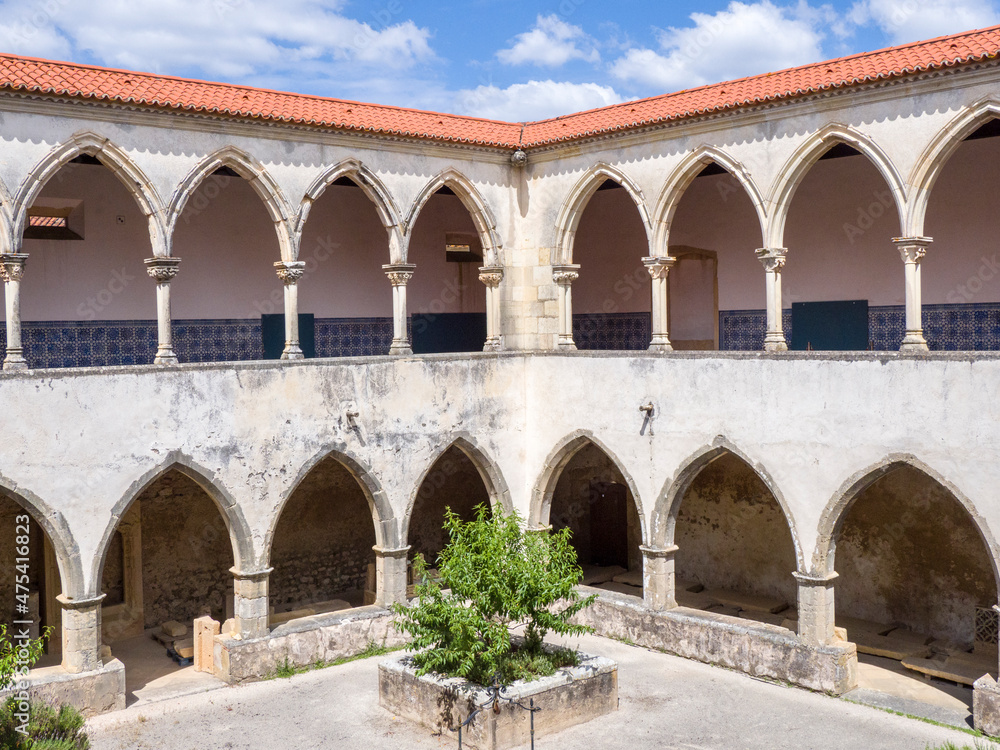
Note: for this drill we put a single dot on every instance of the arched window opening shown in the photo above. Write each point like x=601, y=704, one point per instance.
x=322, y=548
x=735, y=551
x=612, y=298
x=593, y=500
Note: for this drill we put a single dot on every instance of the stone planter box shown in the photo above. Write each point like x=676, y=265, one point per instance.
x=571, y=696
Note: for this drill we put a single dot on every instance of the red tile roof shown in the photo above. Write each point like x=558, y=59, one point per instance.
x=74, y=81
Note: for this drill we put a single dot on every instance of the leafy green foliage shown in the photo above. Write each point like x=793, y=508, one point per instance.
x=12, y=652
x=48, y=728
x=494, y=577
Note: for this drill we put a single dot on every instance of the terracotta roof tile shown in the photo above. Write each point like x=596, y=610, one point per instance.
x=104, y=84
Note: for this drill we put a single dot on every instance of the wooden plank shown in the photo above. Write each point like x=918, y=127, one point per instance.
x=960, y=671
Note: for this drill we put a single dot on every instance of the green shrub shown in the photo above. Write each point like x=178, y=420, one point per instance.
x=48, y=728
x=494, y=577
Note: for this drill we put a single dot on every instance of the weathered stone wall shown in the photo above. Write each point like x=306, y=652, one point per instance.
x=732, y=534
x=186, y=553
x=323, y=541
x=9, y=511
x=113, y=579
x=572, y=501
x=910, y=555
x=452, y=482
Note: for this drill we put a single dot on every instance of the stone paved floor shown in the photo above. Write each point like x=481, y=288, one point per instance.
x=666, y=702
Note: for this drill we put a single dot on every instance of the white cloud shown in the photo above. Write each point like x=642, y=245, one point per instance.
x=744, y=39
x=550, y=42
x=915, y=20
x=535, y=100
x=216, y=38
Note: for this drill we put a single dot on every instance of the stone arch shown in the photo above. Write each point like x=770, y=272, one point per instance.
x=478, y=208
x=232, y=514
x=67, y=551
x=257, y=176
x=115, y=159
x=668, y=503
x=837, y=509
x=572, y=209
x=682, y=177
x=556, y=461
x=383, y=517
x=496, y=485
x=372, y=186
x=937, y=154
x=803, y=160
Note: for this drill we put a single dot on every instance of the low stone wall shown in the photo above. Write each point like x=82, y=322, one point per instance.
x=755, y=648
x=91, y=693
x=571, y=696
x=986, y=706
x=320, y=638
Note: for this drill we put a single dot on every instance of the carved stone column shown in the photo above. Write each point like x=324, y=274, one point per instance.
x=816, y=608
x=163, y=271
x=290, y=271
x=564, y=276
x=658, y=581
x=12, y=269
x=399, y=276
x=912, y=250
x=773, y=259
x=81, y=633
x=390, y=575
x=491, y=276
x=250, y=602
x=659, y=269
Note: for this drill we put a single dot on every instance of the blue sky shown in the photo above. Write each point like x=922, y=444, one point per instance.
x=502, y=59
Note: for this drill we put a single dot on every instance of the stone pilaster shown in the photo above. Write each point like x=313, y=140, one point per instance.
x=399, y=276
x=658, y=580
x=564, y=276
x=81, y=633
x=773, y=259
x=912, y=251
x=163, y=271
x=390, y=575
x=659, y=270
x=816, y=608
x=11, y=270
x=290, y=271
x=491, y=276
x=250, y=602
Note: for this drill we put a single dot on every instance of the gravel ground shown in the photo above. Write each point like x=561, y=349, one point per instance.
x=665, y=702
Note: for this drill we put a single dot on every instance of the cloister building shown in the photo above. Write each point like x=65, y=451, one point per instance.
x=741, y=339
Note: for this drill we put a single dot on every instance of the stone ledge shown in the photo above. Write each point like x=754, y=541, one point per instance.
x=986, y=706
x=319, y=638
x=91, y=693
x=755, y=648
x=571, y=696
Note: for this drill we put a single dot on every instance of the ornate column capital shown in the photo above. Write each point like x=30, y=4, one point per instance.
x=162, y=269
x=290, y=271
x=912, y=249
x=399, y=273
x=659, y=266
x=564, y=275
x=491, y=276
x=12, y=266
x=773, y=258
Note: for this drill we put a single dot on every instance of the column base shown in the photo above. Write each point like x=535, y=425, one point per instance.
x=914, y=341
x=165, y=357
x=660, y=345
x=566, y=343
x=493, y=345
x=400, y=347
x=15, y=360
x=775, y=342
x=292, y=351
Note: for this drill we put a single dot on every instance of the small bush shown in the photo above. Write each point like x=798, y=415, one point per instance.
x=48, y=728
x=494, y=577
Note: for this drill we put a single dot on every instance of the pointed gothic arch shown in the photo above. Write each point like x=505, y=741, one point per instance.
x=478, y=208
x=936, y=156
x=257, y=176
x=682, y=177
x=575, y=204
x=112, y=157
x=805, y=157
x=371, y=185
